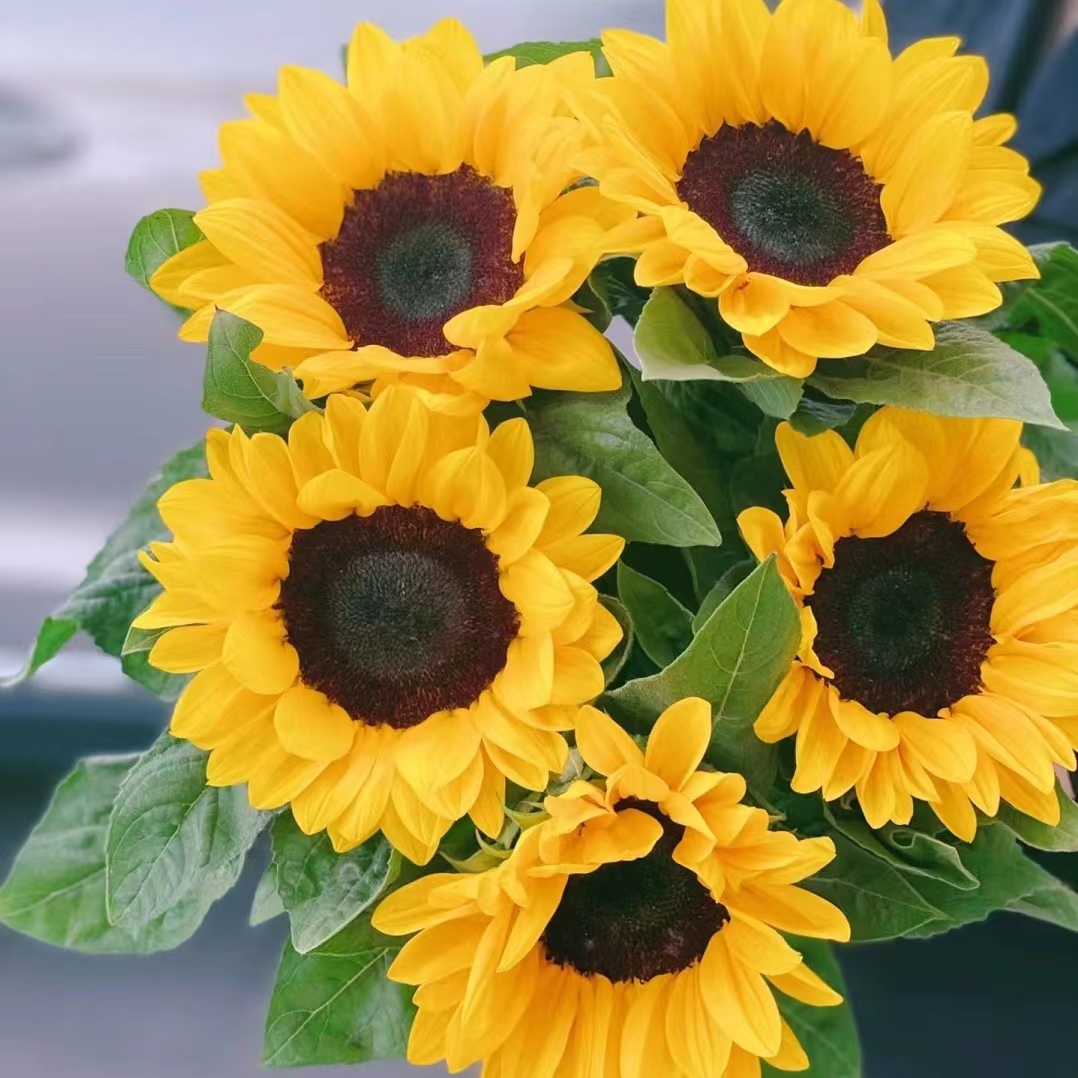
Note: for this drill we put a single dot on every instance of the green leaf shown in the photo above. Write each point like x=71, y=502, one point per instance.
x=816, y=413
x=542, y=52
x=615, y=662
x=613, y=283
x=719, y=593
x=156, y=238
x=336, y=1004
x=968, y=373
x=672, y=344
x=267, y=904
x=1051, y=303
x=171, y=838
x=1009, y=880
x=736, y=661
x=662, y=625
x=116, y=588
x=828, y=1034
x=324, y=891
x=703, y=429
x=239, y=390
x=1042, y=836
x=56, y=889
x=880, y=901
x=906, y=849
x=1056, y=451
x=644, y=499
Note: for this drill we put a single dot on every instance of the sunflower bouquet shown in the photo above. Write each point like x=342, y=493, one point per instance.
x=584, y=697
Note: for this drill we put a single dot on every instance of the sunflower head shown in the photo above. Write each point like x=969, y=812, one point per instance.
x=411, y=225
x=385, y=621
x=938, y=585
x=829, y=196
x=643, y=917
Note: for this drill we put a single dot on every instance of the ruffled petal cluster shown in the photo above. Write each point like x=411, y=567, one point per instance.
x=482, y=954
x=1000, y=741
x=235, y=544
x=428, y=107
x=938, y=180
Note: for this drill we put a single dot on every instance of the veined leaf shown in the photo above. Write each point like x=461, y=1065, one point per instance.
x=171, y=837
x=336, y=1005
x=968, y=373
x=321, y=890
x=116, y=588
x=736, y=661
x=239, y=390
x=672, y=344
x=56, y=889
x=156, y=238
x=644, y=499
x=662, y=625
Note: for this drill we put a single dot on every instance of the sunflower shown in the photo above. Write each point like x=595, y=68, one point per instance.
x=631, y=934
x=828, y=196
x=939, y=612
x=384, y=620
x=413, y=225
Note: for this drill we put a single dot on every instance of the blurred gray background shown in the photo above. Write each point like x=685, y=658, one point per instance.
x=108, y=109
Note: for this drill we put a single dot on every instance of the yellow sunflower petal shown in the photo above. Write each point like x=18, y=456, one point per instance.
x=678, y=741
x=312, y=727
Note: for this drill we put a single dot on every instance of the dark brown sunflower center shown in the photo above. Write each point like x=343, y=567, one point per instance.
x=904, y=620
x=396, y=615
x=635, y=920
x=417, y=250
x=789, y=206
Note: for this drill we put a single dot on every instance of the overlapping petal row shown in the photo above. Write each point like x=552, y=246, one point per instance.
x=678, y=998
x=920, y=479
x=354, y=224
x=234, y=613
x=827, y=195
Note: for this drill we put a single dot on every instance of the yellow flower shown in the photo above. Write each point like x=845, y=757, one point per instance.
x=939, y=607
x=632, y=934
x=828, y=196
x=385, y=619
x=409, y=226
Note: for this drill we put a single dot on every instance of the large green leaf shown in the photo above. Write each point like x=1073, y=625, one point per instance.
x=116, y=587
x=828, y=1034
x=662, y=625
x=171, y=838
x=883, y=901
x=238, y=390
x=912, y=851
x=542, y=52
x=1060, y=839
x=879, y=900
x=703, y=429
x=336, y=1005
x=735, y=661
x=156, y=238
x=674, y=345
x=968, y=373
x=1009, y=880
x=644, y=499
x=56, y=889
x=324, y=891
